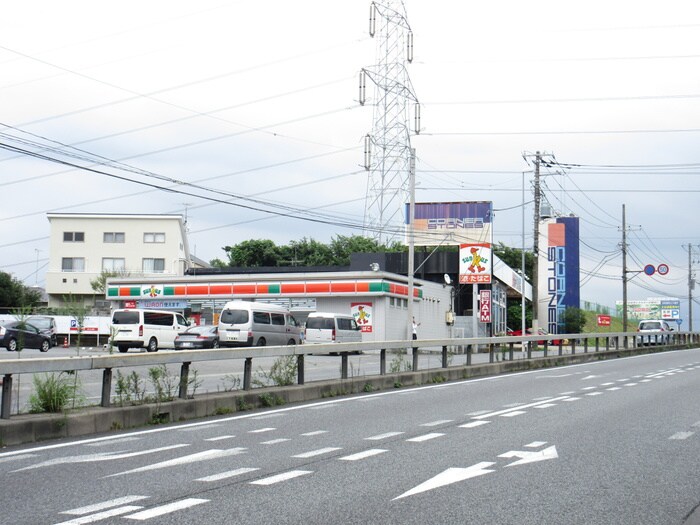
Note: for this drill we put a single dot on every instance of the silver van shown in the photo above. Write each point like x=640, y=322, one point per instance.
x=246, y=323
x=322, y=327
x=152, y=329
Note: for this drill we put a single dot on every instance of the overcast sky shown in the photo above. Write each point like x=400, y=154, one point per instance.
x=259, y=99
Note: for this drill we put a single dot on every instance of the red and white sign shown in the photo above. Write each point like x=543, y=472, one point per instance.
x=603, y=320
x=485, y=306
x=474, y=263
x=363, y=312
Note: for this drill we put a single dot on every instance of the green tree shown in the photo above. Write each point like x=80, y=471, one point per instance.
x=342, y=247
x=573, y=320
x=14, y=294
x=99, y=283
x=253, y=253
x=306, y=252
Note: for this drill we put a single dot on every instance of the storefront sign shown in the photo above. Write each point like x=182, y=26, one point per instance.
x=362, y=312
x=485, y=306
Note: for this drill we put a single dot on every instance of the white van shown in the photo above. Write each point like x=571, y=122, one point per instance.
x=246, y=323
x=324, y=327
x=152, y=329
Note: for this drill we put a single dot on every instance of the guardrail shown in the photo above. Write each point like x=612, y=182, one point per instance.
x=589, y=342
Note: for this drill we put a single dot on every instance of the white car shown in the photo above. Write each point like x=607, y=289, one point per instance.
x=653, y=332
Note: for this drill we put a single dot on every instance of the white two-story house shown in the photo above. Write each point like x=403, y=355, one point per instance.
x=83, y=245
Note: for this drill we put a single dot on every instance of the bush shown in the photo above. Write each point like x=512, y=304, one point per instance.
x=52, y=393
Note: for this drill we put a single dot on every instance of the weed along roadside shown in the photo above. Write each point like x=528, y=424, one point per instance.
x=133, y=408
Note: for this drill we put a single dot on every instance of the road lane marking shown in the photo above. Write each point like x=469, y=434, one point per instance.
x=572, y=399
x=536, y=444
x=607, y=384
x=184, y=460
x=212, y=425
x=594, y=394
x=363, y=455
x=228, y=474
x=630, y=384
x=166, y=509
x=17, y=458
x=681, y=435
x=589, y=388
x=514, y=413
x=315, y=433
x=261, y=430
x=425, y=437
x=530, y=457
x=100, y=456
x=318, y=452
x=89, y=509
x=112, y=442
x=612, y=389
x=474, y=424
x=449, y=476
x=219, y=438
x=530, y=405
x=275, y=441
x=384, y=436
x=437, y=423
x=281, y=477
x=478, y=413
x=267, y=416
x=119, y=511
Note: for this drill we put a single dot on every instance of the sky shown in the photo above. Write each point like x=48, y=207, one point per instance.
x=259, y=101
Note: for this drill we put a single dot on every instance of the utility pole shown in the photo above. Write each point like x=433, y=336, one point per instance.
x=691, y=287
x=624, y=271
x=411, y=242
x=536, y=246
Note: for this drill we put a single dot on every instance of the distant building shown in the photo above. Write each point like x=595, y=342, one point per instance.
x=83, y=245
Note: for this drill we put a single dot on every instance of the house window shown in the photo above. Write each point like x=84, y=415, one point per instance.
x=110, y=264
x=153, y=265
x=73, y=236
x=150, y=237
x=73, y=264
x=113, y=237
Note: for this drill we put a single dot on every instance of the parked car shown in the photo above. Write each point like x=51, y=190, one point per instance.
x=540, y=331
x=198, y=337
x=20, y=335
x=45, y=323
x=150, y=329
x=322, y=327
x=653, y=331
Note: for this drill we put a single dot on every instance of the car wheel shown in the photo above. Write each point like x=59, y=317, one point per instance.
x=45, y=345
x=261, y=342
x=152, y=345
x=123, y=349
x=12, y=345
x=215, y=344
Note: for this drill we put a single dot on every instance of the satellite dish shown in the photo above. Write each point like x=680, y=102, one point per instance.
x=447, y=279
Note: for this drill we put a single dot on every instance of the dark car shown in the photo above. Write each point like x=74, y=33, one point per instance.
x=20, y=335
x=196, y=337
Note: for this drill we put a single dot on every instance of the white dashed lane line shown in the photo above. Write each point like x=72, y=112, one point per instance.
x=474, y=424
x=261, y=430
x=220, y=438
x=318, y=452
x=96, y=507
x=228, y=474
x=386, y=435
x=425, y=437
x=275, y=441
x=166, y=509
x=93, y=518
x=513, y=414
x=364, y=454
x=681, y=435
x=437, y=423
x=281, y=477
x=315, y=433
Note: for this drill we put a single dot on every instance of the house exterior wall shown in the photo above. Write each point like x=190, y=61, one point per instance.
x=75, y=261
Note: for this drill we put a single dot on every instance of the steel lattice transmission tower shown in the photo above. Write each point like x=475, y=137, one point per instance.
x=388, y=146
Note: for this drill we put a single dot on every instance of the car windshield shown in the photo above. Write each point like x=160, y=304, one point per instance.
x=650, y=325
x=42, y=323
x=323, y=323
x=125, y=318
x=234, y=316
x=200, y=330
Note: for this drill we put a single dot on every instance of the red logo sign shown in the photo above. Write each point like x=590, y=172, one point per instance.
x=485, y=307
x=603, y=320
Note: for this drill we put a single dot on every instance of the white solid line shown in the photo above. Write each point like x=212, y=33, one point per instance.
x=607, y=384
x=546, y=405
x=478, y=413
x=113, y=441
x=275, y=441
x=219, y=438
x=166, y=509
x=594, y=394
x=89, y=509
x=260, y=430
x=212, y=425
x=630, y=384
x=572, y=399
x=184, y=460
x=589, y=388
x=425, y=437
x=474, y=424
x=362, y=455
x=281, y=477
x=436, y=423
x=17, y=458
x=92, y=518
x=229, y=474
x=681, y=435
x=384, y=436
x=317, y=452
x=612, y=389
x=315, y=433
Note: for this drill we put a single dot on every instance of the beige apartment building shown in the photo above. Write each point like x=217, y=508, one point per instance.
x=83, y=245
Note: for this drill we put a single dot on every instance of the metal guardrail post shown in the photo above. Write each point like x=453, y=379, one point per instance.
x=585, y=345
x=382, y=362
x=247, y=373
x=624, y=342
x=184, y=379
x=607, y=344
x=469, y=355
x=510, y=351
x=6, y=396
x=597, y=344
x=545, y=347
x=573, y=346
x=300, y=369
x=344, y=365
x=444, y=356
x=106, y=387
x=529, y=350
x=490, y=353
x=415, y=359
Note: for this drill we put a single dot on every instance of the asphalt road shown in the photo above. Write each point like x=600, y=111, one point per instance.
x=601, y=443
